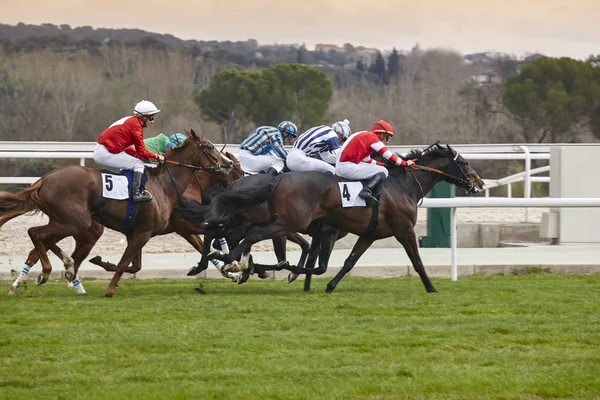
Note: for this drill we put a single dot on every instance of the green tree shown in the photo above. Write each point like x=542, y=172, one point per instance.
x=394, y=67
x=554, y=99
x=284, y=91
x=308, y=90
x=378, y=68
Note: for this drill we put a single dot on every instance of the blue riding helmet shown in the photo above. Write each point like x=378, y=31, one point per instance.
x=177, y=138
x=288, y=128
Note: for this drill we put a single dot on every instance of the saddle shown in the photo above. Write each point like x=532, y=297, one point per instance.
x=114, y=188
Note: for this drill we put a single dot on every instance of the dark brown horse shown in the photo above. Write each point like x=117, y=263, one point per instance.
x=297, y=199
x=72, y=199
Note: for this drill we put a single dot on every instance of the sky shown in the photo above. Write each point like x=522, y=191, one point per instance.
x=552, y=27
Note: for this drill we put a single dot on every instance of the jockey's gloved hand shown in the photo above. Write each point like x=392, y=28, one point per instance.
x=409, y=163
x=161, y=159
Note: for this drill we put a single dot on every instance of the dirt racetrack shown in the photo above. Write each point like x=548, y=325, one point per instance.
x=14, y=240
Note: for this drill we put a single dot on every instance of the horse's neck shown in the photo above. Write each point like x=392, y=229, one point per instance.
x=419, y=184
x=428, y=179
x=182, y=177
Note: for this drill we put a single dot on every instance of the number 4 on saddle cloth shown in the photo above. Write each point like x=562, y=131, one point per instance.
x=117, y=186
x=349, y=191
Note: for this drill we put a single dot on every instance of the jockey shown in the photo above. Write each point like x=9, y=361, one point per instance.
x=112, y=144
x=318, y=148
x=160, y=143
x=255, y=151
x=355, y=161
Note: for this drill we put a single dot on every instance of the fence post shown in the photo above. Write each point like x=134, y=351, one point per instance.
x=527, y=182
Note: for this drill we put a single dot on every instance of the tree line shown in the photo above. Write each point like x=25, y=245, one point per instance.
x=70, y=93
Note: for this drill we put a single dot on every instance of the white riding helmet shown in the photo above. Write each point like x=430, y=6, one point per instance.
x=343, y=128
x=145, y=107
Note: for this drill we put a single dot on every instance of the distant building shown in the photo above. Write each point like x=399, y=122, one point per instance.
x=326, y=48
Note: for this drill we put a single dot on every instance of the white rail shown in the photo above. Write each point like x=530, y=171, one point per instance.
x=497, y=202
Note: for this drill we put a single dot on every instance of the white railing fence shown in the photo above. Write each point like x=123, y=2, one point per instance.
x=455, y=203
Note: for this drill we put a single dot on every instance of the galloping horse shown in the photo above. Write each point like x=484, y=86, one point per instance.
x=297, y=199
x=198, y=189
x=72, y=199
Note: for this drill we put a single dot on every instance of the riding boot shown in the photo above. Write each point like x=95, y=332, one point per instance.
x=139, y=195
x=367, y=192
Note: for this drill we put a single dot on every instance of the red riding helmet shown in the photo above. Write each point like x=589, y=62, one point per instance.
x=381, y=127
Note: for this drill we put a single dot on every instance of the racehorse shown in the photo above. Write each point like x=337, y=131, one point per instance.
x=195, y=193
x=297, y=199
x=72, y=198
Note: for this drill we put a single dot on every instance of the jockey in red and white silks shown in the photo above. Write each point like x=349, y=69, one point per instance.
x=113, y=147
x=355, y=162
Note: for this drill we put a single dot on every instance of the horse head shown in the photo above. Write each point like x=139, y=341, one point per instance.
x=199, y=152
x=450, y=164
x=237, y=172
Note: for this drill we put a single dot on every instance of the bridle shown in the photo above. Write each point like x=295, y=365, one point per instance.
x=215, y=166
x=463, y=182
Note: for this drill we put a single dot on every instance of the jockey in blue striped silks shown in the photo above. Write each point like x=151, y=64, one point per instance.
x=318, y=148
x=263, y=149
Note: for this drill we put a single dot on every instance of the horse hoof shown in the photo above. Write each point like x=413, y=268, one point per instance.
x=292, y=277
x=12, y=291
x=263, y=275
x=233, y=267
x=40, y=280
x=96, y=260
x=110, y=292
x=243, y=278
x=193, y=271
x=329, y=288
x=69, y=275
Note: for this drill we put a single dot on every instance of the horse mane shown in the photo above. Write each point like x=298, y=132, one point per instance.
x=433, y=150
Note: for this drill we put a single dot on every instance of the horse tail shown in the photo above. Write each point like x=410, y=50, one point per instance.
x=226, y=204
x=14, y=204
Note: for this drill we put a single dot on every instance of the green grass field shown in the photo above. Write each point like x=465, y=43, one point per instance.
x=533, y=336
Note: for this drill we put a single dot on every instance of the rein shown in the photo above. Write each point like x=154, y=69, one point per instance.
x=214, y=167
x=416, y=167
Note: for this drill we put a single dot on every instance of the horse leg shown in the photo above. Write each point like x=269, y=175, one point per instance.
x=40, y=236
x=313, y=253
x=29, y=263
x=361, y=245
x=83, y=246
x=198, y=244
x=133, y=250
x=408, y=239
x=304, y=246
x=256, y=234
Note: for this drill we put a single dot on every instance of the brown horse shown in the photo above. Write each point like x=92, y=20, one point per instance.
x=72, y=199
x=297, y=199
x=195, y=192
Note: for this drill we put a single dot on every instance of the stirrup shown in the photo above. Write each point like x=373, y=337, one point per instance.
x=142, y=196
x=368, y=197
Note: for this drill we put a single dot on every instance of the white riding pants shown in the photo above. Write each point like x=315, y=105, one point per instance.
x=297, y=160
x=360, y=171
x=251, y=163
x=119, y=160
